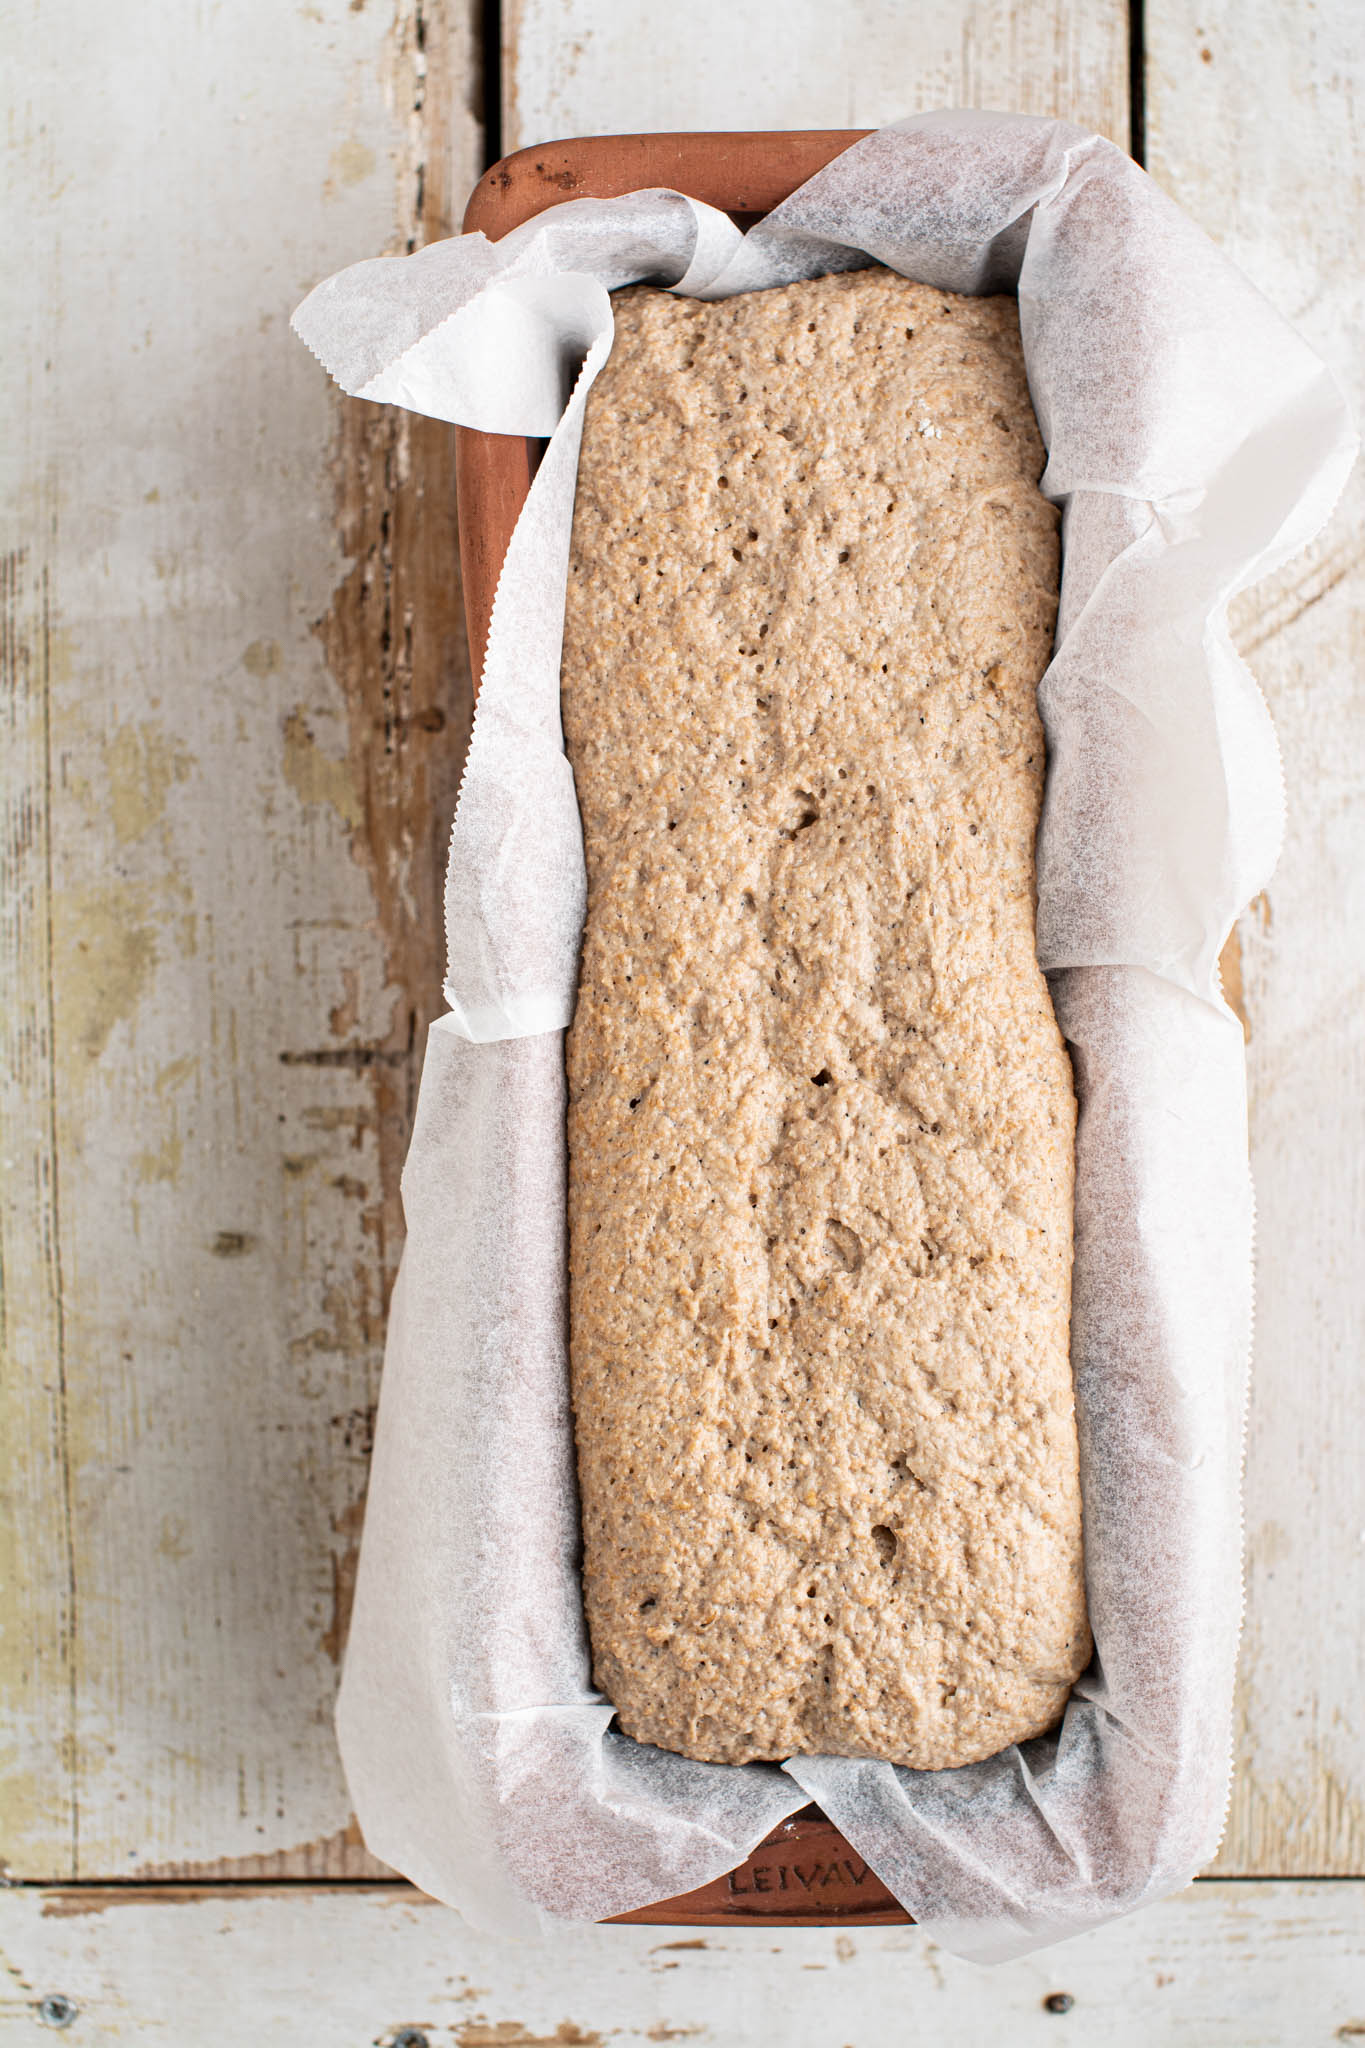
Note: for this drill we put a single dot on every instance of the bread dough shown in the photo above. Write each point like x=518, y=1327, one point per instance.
x=821, y=1121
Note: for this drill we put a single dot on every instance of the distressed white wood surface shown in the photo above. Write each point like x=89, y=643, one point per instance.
x=203, y=1026
x=212, y=947
x=1256, y=124
x=595, y=67
x=1220, y=1966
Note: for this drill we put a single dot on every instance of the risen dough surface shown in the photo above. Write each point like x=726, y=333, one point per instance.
x=821, y=1118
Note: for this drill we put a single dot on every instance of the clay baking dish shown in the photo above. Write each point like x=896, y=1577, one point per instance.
x=805, y=1874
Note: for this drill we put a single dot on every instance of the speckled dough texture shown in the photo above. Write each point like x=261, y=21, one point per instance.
x=821, y=1118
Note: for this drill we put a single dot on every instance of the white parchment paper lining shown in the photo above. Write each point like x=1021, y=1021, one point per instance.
x=1194, y=443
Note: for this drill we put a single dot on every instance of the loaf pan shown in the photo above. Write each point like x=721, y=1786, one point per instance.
x=804, y=1874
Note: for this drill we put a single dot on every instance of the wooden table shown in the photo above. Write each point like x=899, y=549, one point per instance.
x=235, y=698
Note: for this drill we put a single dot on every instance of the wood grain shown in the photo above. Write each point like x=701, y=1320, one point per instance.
x=594, y=67
x=222, y=832
x=236, y=696
x=37, y=1558
x=1255, y=126
x=1219, y=1966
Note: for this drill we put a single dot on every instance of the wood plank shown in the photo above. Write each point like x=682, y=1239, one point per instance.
x=235, y=777
x=37, y=1565
x=592, y=67
x=1254, y=121
x=1220, y=1966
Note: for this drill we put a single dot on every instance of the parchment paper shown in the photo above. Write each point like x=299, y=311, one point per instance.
x=1194, y=443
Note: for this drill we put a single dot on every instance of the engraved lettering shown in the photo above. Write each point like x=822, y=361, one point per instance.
x=761, y=1876
x=857, y=1873
x=799, y=1874
x=734, y=1881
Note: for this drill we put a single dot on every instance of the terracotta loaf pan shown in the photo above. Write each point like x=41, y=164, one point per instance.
x=743, y=175
x=805, y=1874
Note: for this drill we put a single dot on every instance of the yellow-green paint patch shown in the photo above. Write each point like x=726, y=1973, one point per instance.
x=104, y=954
x=164, y=1163
x=351, y=161
x=35, y=1774
x=262, y=658
x=315, y=777
x=173, y=1540
x=143, y=764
